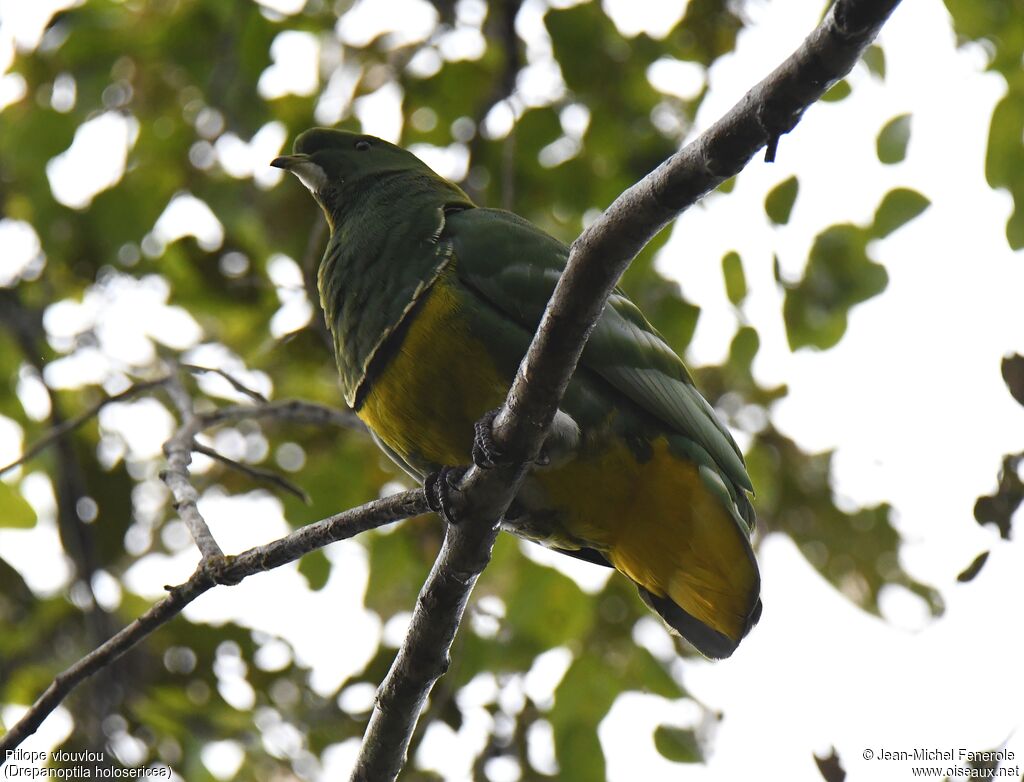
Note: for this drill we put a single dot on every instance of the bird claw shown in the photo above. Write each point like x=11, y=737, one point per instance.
x=438, y=488
x=486, y=454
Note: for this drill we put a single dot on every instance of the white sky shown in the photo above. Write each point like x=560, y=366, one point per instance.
x=911, y=399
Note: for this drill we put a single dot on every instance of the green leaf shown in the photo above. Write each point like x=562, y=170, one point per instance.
x=893, y=139
x=735, y=279
x=14, y=592
x=874, y=58
x=678, y=744
x=898, y=208
x=672, y=315
x=837, y=91
x=978, y=18
x=112, y=492
x=999, y=508
x=537, y=128
x=743, y=349
x=25, y=683
x=707, y=31
x=660, y=299
x=1015, y=225
x=581, y=701
x=1004, y=148
x=970, y=572
x=399, y=564
x=547, y=607
x=1012, y=368
x=15, y=512
x=778, y=204
x=316, y=569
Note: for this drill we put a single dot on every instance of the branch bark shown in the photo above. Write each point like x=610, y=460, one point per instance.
x=178, y=451
x=182, y=445
x=596, y=261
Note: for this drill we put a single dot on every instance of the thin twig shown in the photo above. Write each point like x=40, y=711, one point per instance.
x=71, y=424
x=257, y=473
x=236, y=384
x=229, y=571
x=597, y=259
x=178, y=451
x=292, y=410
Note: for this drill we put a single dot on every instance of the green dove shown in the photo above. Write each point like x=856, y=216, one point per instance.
x=432, y=302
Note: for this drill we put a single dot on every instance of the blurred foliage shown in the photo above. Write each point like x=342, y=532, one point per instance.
x=996, y=26
x=778, y=204
x=971, y=571
x=185, y=77
x=874, y=58
x=1013, y=374
x=678, y=744
x=998, y=508
x=839, y=275
x=893, y=138
x=17, y=512
x=899, y=206
x=830, y=767
x=735, y=279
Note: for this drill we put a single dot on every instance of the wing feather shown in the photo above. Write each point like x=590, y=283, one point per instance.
x=515, y=266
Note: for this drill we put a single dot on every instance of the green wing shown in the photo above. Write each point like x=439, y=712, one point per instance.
x=515, y=266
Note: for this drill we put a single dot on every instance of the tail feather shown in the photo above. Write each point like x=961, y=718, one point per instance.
x=708, y=641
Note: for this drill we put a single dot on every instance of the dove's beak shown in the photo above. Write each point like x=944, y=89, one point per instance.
x=308, y=172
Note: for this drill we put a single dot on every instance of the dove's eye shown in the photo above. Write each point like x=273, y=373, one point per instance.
x=362, y=145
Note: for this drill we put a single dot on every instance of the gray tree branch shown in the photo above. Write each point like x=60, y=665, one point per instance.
x=182, y=445
x=234, y=382
x=597, y=260
x=178, y=451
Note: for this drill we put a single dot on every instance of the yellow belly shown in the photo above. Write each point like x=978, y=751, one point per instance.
x=441, y=380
